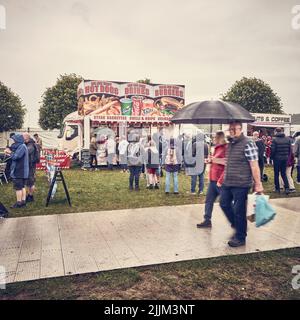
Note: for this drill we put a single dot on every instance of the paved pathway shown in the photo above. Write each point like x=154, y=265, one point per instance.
x=59, y=245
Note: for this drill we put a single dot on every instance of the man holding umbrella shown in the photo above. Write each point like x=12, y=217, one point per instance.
x=240, y=171
x=242, y=158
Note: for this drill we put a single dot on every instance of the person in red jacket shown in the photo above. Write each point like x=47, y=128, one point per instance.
x=216, y=177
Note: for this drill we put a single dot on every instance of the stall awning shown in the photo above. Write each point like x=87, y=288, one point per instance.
x=269, y=125
x=154, y=121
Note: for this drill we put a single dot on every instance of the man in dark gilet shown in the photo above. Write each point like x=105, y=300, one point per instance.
x=240, y=171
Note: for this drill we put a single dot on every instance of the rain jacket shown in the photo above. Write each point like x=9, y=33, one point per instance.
x=216, y=172
x=20, y=161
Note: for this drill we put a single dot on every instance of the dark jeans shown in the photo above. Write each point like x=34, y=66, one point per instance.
x=213, y=191
x=280, y=167
x=135, y=172
x=93, y=158
x=234, y=204
x=261, y=164
x=194, y=182
x=298, y=174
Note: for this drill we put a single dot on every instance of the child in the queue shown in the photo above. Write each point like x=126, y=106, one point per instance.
x=152, y=164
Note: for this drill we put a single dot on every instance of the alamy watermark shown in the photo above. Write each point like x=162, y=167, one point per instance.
x=2, y=278
x=296, y=279
x=296, y=17
x=2, y=17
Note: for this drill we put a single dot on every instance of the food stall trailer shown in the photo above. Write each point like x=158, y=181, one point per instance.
x=266, y=123
x=116, y=108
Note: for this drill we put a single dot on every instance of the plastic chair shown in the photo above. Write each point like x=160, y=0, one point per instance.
x=2, y=172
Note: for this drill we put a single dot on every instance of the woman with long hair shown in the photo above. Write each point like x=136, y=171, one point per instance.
x=216, y=176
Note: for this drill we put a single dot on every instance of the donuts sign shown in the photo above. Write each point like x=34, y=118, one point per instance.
x=106, y=98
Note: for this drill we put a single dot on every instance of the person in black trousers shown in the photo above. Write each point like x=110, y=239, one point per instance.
x=261, y=152
x=280, y=150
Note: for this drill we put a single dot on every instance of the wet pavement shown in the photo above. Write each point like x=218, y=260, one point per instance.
x=59, y=245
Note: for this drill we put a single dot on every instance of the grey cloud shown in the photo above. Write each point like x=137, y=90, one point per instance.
x=204, y=44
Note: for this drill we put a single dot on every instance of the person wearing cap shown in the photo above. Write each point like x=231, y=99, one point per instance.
x=19, y=168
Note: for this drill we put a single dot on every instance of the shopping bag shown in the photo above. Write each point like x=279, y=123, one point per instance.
x=264, y=212
x=251, y=205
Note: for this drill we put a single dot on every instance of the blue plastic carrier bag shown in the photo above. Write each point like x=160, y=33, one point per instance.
x=264, y=212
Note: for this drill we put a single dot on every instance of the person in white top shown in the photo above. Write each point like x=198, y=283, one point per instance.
x=123, y=144
x=111, y=152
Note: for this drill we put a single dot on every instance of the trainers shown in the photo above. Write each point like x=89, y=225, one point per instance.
x=176, y=193
x=200, y=193
x=287, y=191
x=29, y=198
x=3, y=215
x=234, y=242
x=17, y=205
x=167, y=192
x=204, y=224
x=292, y=190
x=23, y=203
x=156, y=186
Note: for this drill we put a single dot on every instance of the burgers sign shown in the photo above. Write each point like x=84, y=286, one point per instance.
x=106, y=98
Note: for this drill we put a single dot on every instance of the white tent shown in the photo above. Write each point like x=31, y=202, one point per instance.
x=49, y=137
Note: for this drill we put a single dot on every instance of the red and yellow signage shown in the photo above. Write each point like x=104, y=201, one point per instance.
x=125, y=101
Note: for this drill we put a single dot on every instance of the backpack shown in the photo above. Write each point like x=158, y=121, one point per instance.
x=133, y=153
x=192, y=161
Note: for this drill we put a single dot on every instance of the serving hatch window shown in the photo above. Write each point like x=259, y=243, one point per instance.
x=71, y=133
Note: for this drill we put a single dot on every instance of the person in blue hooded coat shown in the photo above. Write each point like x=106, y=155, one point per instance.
x=19, y=169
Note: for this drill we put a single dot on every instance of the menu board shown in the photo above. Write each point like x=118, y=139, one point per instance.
x=86, y=158
x=126, y=99
x=59, y=158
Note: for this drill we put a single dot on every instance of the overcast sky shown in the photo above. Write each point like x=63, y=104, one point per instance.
x=206, y=45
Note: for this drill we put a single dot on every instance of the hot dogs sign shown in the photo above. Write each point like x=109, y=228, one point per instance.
x=105, y=98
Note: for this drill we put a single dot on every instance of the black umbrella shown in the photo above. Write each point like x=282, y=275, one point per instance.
x=212, y=112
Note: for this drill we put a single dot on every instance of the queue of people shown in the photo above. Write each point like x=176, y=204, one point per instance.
x=236, y=165
x=279, y=152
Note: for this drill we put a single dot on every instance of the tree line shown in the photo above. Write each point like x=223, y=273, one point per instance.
x=58, y=101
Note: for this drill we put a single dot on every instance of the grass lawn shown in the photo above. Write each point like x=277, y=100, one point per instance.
x=265, y=275
x=106, y=190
